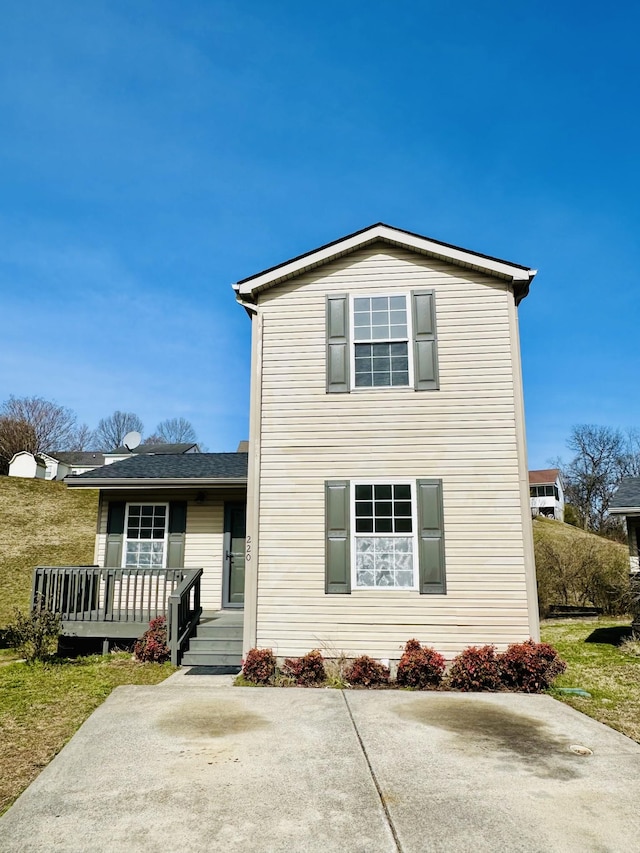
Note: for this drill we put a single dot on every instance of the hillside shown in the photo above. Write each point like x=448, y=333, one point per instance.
x=41, y=523
x=575, y=567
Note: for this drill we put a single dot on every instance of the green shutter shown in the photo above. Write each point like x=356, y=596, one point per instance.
x=425, y=343
x=115, y=533
x=431, y=538
x=337, y=548
x=177, y=530
x=337, y=344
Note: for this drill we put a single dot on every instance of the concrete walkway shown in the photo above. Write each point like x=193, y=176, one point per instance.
x=196, y=765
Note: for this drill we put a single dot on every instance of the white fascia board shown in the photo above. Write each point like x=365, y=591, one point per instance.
x=624, y=510
x=423, y=245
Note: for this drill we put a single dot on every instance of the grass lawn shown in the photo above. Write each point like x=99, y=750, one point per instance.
x=42, y=705
x=43, y=523
x=594, y=662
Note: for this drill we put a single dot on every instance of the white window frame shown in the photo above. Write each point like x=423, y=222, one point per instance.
x=165, y=540
x=384, y=481
x=353, y=342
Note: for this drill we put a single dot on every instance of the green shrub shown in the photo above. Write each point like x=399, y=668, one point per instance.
x=367, y=672
x=420, y=667
x=306, y=670
x=35, y=634
x=259, y=666
x=475, y=669
x=530, y=667
x=152, y=645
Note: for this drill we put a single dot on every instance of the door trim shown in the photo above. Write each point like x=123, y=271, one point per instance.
x=226, y=561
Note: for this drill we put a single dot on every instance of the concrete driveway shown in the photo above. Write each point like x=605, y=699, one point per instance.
x=195, y=764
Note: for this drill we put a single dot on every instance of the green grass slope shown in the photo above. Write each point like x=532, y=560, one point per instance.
x=41, y=523
x=579, y=568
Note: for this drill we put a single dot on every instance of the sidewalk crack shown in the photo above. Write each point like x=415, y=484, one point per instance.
x=373, y=776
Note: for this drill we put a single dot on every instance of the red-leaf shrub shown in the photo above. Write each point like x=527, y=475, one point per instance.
x=259, y=666
x=306, y=670
x=476, y=668
x=420, y=667
x=367, y=672
x=152, y=645
x=529, y=666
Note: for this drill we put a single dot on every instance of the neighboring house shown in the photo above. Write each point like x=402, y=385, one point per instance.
x=64, y=462
x=25, y=464
x=546, y=493
x=122, y=452
x=388, y=492
x=55, y=465
x=626, y=502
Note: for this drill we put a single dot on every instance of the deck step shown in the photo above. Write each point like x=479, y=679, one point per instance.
x=217, y=641
x=211, y=659
x=216, y=645
x=210, y=629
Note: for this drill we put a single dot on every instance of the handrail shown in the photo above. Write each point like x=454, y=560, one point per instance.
x=183, y=613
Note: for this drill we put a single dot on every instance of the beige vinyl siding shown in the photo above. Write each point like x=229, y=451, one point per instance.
x=204, y=538
x=464, y=434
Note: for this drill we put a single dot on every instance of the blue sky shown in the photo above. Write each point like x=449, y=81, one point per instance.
x=151, y=153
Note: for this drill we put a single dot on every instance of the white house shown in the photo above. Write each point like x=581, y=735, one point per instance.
x=546, y=494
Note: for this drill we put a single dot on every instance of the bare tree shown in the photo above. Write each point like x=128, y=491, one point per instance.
x=112, y=430
x=176, y=431
x=83, y=439
x=154, y=439
x=602, y=456
x=53, y=426
x=14, y=437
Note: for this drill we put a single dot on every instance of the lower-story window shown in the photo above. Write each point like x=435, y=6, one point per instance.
x=146, y=535
x=384, y=540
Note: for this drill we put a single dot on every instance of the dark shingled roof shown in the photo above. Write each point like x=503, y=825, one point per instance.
x=628, y=493
x=155, y=448
x=179, y=466
x=79, y=457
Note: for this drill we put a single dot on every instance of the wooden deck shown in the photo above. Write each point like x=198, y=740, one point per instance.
x=113, y=603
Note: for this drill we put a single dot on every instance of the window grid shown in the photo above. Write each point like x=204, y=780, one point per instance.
x=384, y=536
x=146, y=534
x=381, y=341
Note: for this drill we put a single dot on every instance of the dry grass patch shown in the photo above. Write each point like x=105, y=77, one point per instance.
x=42, y=705
x=43, y=523
x=600, y=661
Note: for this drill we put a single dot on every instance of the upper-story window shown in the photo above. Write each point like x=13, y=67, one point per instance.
x=381, y=341
x=386, y=341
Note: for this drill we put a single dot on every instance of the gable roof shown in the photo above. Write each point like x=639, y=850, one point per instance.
x=543, y=477
x=518, y=275
x=627, y=497
x=164, y=469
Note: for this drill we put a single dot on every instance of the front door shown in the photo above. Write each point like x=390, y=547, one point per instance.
x=235, y=520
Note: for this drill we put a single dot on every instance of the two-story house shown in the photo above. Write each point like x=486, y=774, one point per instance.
x=387, y=491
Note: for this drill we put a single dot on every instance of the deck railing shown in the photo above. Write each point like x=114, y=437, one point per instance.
x=103, y=601
x=184, y=613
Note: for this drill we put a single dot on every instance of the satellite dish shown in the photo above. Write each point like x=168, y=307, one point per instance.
x=132, y=440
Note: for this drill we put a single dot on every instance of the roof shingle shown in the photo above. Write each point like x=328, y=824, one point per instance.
x=179, y=466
